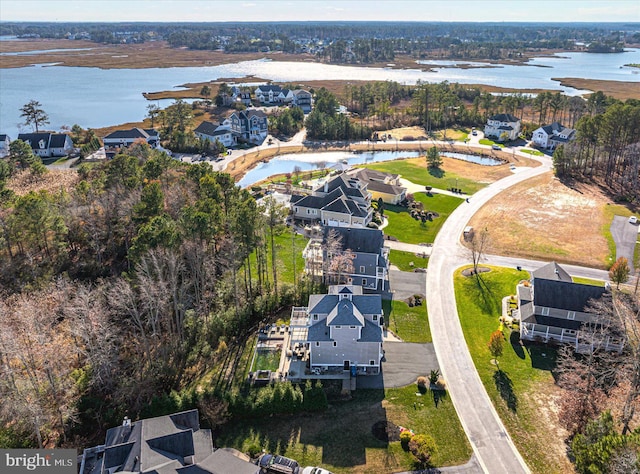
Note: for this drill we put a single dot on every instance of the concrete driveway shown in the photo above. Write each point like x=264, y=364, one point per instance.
x=624, y=235
x=404, y=363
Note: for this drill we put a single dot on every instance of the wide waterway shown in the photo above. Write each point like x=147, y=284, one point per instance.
x=93, y=97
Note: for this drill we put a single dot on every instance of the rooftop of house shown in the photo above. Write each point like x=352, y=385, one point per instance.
x=133, y=133
x=210, y=128
x=357, y=240
x=323, y=304
x=504, y=118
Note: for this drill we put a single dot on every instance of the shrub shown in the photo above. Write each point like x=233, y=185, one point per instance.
x=405, y=438
x=434, y=376
x=422, y=381
x=253, y=450
x=423, y=447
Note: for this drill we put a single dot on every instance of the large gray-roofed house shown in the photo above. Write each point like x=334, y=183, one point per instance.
x=169, y=444
x=340, y=201
x=344, y=329
x=381, y=185
x=502, y=123
x=552, y=135
x=553, y=307
x=369, y=258
x=125, y=138
x=46, y=144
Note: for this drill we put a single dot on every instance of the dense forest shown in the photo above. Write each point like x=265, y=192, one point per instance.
x=118, y=293
x=351, y=42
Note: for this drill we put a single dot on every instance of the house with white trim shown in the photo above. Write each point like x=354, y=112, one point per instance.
x=48, y=145
x=551, y=136
x=268, y=93
x=553, y=308
x=364, y=250
x=341, y=330
x=385, y=186
x=302, y=99
x=215, y=132
x=500, y=124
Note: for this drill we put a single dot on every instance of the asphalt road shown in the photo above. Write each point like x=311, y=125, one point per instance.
x=489, y=439
x=406, y=284
x=624, y=235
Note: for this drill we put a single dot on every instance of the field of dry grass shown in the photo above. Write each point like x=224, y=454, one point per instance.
x=23, y=182
x=544, y=219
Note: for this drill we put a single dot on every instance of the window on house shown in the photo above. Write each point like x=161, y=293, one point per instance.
x=335, y=344
x=338, y=327
x=349, y=280
x=364, y=281
x=571, y=315
x=372, y=362
x=361, y=268
x=545, y=312
x=317, y=343
x=352, y=327
x=375, y=317
x=315, y=317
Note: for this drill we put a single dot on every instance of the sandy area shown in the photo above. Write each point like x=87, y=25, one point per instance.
x=544, y=219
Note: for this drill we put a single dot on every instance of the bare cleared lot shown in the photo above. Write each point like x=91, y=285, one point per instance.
x=544, y=219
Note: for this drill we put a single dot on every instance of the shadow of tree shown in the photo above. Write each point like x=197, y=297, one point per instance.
x=505, y=388
x=516, y=345
x=437, y=395
x=487, y=300
x=436, y=172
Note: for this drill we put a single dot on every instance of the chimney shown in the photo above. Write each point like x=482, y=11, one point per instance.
x=326, y=186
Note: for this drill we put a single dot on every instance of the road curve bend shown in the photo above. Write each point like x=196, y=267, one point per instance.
x=489, y=439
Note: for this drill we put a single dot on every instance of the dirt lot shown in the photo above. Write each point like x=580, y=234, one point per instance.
x=544, y=219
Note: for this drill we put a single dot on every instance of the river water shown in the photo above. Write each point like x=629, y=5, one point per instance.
x=93, y=97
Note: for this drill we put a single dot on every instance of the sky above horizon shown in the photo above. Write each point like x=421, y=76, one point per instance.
x=326, y=10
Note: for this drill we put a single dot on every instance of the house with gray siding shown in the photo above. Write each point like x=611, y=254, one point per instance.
x=364, y=248
x=553, y=308
x=343, y=330
x=47, y=145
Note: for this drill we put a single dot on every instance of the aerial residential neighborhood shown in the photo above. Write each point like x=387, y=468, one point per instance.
x=327, y=238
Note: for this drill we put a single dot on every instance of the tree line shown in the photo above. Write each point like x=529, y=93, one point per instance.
x=127, y=287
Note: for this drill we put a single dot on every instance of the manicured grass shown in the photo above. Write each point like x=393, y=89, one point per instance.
x=341, y=440
x=588, y=281
x=411, y=324
x=266, y=360
x=424, y=177
x=525, y=372
x=531, y=152
x=403, y=260
x=406, y=229
x=486, y=141
x=452, y=134
x=611, y=210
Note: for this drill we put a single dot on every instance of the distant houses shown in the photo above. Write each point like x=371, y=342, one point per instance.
x=502, y=127
x=249, y=125
x=125, y=138
x=5, y=141
x=551, y=136
x=385, y=186
x=215, y=131
x=48, y=145
x=276, y=95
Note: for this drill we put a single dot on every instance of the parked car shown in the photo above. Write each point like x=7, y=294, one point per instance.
x=274, y=464
x=633, y=220
x=496, y=147
x=315, y=470
x=474, y=133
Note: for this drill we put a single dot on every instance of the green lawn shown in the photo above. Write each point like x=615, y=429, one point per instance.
x=285, y=256
x=486, y=141
x=266, y=360
x=525, y=378
x=588, y=281
x=313, y=440
x=406, y=229
x=424, y=177
x=531, y=152
x=410, y=323
x=403, y=260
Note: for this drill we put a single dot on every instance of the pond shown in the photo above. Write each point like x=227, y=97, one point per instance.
x=311, y=161
x=478, y=159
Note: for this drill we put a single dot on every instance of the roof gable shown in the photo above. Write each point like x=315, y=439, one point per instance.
x=565, y=295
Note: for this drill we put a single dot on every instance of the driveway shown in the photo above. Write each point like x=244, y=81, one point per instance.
x=624, y=234
x=404, y=363
x=406, y=284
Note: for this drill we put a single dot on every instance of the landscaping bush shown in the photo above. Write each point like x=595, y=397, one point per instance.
x=422, y=381
x=405, y=438
x=254, y=450
x=434, y=376
x=423, y=447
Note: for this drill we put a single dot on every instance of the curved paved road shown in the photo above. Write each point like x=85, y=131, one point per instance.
x=491, y=443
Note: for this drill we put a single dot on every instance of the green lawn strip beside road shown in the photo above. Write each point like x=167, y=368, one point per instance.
x=403, y=260
x=611, y=210
x=407, y=229
x=341, y=440
x=422, y=176
x=409, y=323
x=588, y=281
x=525, y=379
x=531, y=152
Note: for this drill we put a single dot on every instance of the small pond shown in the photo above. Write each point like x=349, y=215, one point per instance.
x=311, y=161
x=478, y=159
